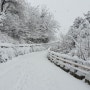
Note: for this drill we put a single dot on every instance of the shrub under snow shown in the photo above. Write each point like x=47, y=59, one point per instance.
x=7, y=52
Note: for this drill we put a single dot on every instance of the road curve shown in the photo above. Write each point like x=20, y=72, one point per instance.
x=34, y=72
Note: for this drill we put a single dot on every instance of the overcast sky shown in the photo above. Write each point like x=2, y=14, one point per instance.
x=65, y=11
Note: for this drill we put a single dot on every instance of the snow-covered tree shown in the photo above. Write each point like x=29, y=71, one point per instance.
x=41, y=24
x=23, y=21
x=77, y=40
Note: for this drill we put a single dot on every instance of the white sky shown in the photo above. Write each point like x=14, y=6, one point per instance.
x=65, y=11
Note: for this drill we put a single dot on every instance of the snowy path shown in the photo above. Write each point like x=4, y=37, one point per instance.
x=35, y=72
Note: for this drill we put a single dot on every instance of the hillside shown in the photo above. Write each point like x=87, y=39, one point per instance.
x=26, y=23
x=4, y=38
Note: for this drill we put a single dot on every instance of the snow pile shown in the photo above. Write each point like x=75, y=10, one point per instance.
x=8, y=51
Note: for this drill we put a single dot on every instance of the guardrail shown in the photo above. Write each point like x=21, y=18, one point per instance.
x=78, y=70
x=7, y=45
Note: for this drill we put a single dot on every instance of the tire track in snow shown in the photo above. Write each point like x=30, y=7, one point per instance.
x=22, y=81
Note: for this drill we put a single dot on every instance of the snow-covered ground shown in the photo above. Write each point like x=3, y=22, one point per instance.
x=34, y=72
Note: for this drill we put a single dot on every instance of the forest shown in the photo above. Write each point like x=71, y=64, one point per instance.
x=25, y=23
x=21, y=22
x=77, y=41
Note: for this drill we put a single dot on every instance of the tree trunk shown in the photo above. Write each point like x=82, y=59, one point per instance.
x=2, y=4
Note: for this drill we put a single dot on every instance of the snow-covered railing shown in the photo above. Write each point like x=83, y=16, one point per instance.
x=78, y=70
x=8, y=45
x=8, y=51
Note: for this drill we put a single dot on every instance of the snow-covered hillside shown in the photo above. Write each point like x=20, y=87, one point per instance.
x=34, y=72
x=4, y=38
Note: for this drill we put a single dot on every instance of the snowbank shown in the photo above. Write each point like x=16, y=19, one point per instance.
x=8, y=51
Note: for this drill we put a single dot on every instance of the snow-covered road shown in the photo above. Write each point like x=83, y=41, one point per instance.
x=35, y=72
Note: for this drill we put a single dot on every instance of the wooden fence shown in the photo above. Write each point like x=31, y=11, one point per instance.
x=78, y=70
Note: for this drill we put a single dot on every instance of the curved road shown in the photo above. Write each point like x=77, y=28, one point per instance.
x=35, y=72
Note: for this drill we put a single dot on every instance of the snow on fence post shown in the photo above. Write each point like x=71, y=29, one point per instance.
x=87, y=78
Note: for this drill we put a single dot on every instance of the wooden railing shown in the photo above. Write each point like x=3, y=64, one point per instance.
x=78, y=70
